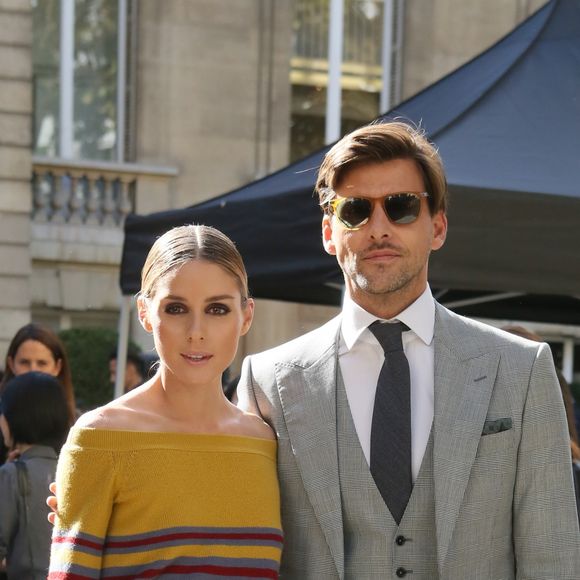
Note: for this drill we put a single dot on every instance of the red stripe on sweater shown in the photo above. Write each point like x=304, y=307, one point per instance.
x=67, y=576
x=224, y=571
x=76, y=541
x=191, y=535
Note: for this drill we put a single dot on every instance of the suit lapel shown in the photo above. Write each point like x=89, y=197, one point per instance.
x=463, y=385
x=307, y=391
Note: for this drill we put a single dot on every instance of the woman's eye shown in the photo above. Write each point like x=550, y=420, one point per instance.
x=175, y=309
x=218, y=309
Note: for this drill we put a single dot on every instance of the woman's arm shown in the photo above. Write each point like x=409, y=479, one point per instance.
x=86, y=483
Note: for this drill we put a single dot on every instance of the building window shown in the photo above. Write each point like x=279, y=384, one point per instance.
x=362, y=67
x=83, y=35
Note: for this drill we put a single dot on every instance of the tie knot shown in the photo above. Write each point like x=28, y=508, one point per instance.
x=389, y=334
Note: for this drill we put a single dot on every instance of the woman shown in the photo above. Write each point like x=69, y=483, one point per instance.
x=34, y=422
x=37, y=348
x=171, y=478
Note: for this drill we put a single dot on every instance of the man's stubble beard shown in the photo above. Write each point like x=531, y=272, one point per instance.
x=383, y=281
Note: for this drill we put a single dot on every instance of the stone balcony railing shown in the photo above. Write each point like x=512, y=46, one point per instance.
x=94, y=193
x=76, y=235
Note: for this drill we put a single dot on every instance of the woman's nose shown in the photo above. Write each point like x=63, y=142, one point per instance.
x=195, y=330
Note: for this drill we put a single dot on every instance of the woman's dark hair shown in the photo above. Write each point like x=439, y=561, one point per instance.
x=49, y=339
x=36, y=410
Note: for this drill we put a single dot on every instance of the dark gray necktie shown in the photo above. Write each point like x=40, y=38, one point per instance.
x=391, y=426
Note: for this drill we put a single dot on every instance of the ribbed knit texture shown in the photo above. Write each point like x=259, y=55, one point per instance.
x=166, y=505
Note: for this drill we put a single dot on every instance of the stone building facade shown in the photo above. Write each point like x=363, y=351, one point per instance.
x=208, y=105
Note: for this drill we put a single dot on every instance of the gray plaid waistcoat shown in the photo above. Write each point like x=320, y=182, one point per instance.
x=374, y=547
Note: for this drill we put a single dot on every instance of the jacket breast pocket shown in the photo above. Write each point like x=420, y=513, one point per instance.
x=496, y=444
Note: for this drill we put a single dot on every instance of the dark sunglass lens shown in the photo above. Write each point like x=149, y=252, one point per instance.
x=354, y=211
x=403, y=209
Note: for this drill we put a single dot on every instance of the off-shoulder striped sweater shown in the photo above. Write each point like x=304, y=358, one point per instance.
x=166, y=505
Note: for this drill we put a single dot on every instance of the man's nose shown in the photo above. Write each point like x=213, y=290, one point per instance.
x=379, y=224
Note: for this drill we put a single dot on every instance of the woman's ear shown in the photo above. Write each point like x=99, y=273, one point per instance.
x=10, y=362
x=143, y=313
x=248, y=316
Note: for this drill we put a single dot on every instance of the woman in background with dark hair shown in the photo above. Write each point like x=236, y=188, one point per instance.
x=34, y=421
x=37, y=348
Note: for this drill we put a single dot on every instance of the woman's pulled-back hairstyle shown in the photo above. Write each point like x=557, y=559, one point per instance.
x=36, y=410
x=51, y=341
x=378, y=143
x=182, y=244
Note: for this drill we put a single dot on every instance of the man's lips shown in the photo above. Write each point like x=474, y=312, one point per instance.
x=383, y=254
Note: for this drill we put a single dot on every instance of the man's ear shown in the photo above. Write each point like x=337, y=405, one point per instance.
x=327, y=235
x=143, y=313
x=439, y=230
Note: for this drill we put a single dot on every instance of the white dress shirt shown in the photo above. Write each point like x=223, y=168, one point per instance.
x=361, y=358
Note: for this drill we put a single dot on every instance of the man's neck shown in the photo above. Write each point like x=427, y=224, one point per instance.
x=385, y=306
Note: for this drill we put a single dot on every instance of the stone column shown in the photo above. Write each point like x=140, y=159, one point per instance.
x=15, y=166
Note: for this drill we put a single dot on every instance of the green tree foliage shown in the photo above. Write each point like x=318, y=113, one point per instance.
x=88, y=350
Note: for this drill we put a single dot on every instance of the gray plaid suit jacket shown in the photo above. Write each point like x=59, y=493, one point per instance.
x=504, y=501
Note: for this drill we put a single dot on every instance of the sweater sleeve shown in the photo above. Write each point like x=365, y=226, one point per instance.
x=86, y=484
x=8, y=507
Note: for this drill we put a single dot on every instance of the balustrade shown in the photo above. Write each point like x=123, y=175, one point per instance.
x=86, y=192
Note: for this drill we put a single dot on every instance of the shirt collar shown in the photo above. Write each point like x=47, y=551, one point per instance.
x=418, y=316
x=39, y=451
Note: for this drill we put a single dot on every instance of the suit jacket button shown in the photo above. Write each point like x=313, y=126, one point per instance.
x=401, y=572
x=400, y=540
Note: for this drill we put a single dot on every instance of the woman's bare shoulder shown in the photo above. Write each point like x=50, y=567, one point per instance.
x=253, y=426
x=105, y=417
x=124, y=413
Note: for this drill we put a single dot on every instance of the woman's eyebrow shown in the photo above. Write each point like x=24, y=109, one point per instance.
x=220, y=297
x=209, y=299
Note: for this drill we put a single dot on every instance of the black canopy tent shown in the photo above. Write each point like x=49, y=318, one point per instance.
x=507, y=125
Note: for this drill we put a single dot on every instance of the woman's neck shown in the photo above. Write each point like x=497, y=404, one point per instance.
x=199, y=404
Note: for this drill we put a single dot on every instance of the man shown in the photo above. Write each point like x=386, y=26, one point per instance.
x=134, y=373
x=433, y=449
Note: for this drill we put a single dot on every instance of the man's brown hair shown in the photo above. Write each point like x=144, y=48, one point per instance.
x=384, y=142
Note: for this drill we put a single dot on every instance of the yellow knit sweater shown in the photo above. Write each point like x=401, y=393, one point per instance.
x=155, y=505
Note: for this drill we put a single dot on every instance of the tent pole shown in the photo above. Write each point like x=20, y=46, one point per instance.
x=568, y=359
x=122, y=343
x=333, y=87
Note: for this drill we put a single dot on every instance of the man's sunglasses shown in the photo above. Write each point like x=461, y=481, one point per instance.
x=354, y=212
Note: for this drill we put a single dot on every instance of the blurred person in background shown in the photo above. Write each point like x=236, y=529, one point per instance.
x=34, y=421
x=134, y=370
x=37, y=348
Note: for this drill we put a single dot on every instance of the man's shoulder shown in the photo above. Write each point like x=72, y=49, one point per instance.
x=472, y=336
x=306, y=347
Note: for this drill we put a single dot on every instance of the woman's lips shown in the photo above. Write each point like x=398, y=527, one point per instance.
x=196, y=357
